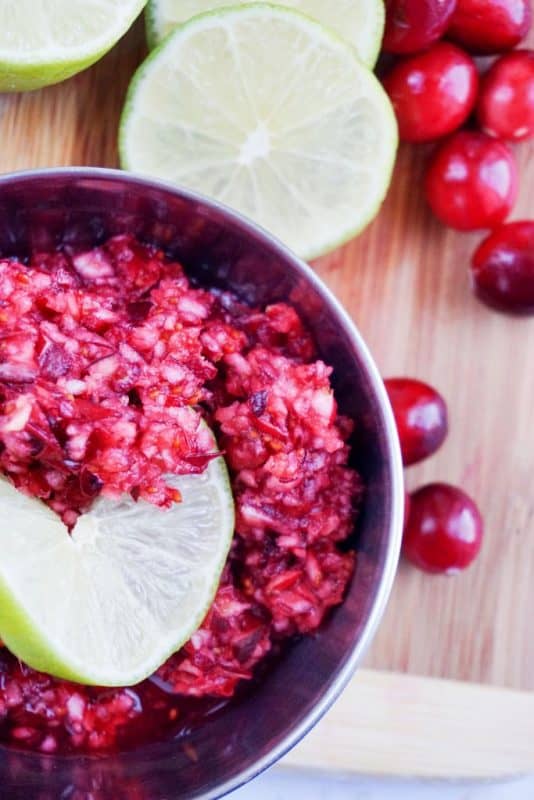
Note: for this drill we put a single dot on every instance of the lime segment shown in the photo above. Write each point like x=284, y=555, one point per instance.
x=108, y=604
x=46, y=41
x=359, y=22
x=263, y=109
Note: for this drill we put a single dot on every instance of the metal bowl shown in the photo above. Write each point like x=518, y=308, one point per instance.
x=41, y=209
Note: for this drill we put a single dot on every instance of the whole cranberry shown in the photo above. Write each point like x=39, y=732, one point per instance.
x=471, y=182
x=503, y=268
x=490, y=26
x=506, y=101
x=433, y=92
x=421, y=416
x=407, y=506
x=412, y=25
x=444, y=531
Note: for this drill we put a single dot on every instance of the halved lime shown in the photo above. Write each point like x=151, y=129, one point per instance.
x=46, y=41
x=359, y=22
x=265, y=110
x=109, y=603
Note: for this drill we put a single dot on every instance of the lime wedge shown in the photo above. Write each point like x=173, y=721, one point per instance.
x=359, y=22
x=263, y=109
x=46, y=41
x=109, y=603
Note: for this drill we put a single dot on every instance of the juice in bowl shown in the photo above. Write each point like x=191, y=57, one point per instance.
x=169, y=369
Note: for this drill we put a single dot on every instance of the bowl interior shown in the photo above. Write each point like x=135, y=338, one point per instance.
x=41, y=210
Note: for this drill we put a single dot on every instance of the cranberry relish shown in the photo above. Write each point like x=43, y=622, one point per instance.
x=108, y=361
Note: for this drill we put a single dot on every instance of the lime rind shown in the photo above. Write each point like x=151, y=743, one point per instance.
x=323, y=238
x=29, y=77
x=153, y=38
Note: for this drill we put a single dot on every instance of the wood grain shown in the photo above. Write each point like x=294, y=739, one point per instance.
x=73, y=123
x=405, y=283
x=401, y=725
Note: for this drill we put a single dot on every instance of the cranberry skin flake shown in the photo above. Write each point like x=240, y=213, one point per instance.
x=444, y=531
x=421, y=416
x=412, y=25
x=506, y=102
x=502, y=268
x=490, y=26
x=433, y=92
x=472, y=181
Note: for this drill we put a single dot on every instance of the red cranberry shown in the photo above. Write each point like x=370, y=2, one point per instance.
x=490, y=26
x=433, y=92
x=412, y=25
x=407, y=507
x=506, y=102
x=444, y=531
x=503, y=268
x=472, y=181
x=421, y=416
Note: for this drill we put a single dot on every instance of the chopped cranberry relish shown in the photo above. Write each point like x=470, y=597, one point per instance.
x=109, y=360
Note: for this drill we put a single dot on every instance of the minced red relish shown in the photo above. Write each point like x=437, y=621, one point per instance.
x=108, y=361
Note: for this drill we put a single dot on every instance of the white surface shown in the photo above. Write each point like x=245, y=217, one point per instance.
x=280, y=784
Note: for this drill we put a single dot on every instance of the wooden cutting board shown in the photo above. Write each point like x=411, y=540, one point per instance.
x=407, y=726
x=405, y=282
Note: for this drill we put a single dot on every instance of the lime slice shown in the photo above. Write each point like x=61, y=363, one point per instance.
x=46, y=41
x=263, y=109
x=359, y=22
x=108, y=604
